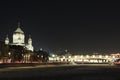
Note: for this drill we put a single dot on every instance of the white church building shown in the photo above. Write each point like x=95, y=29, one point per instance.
x=19, y=39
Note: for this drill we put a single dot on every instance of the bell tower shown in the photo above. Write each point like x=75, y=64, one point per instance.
x=29, y=46
x=7, y=40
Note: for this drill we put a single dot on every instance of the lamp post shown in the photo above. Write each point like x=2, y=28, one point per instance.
x=53, y=57
x=9, y=54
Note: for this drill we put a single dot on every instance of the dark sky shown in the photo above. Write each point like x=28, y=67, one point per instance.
x=76, y=26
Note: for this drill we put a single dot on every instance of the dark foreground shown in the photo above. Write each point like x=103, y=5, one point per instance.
x=61, y=72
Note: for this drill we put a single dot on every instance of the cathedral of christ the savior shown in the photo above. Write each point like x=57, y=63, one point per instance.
x=19, y=39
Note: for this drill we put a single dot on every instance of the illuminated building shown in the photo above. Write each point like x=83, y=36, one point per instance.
x=19, y=39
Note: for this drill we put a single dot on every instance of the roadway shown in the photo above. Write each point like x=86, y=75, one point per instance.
x=61, y=72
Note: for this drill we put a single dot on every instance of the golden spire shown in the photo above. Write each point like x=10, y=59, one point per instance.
x=18, y=24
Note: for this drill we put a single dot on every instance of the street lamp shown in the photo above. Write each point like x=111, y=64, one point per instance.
x=53, y=56
x=9, y=54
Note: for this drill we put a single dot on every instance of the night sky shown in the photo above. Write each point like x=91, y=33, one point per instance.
x=79, y=27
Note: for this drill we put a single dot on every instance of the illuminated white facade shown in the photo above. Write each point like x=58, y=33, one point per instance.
x=18, y=36
x=19, y=39
x=29, y=45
